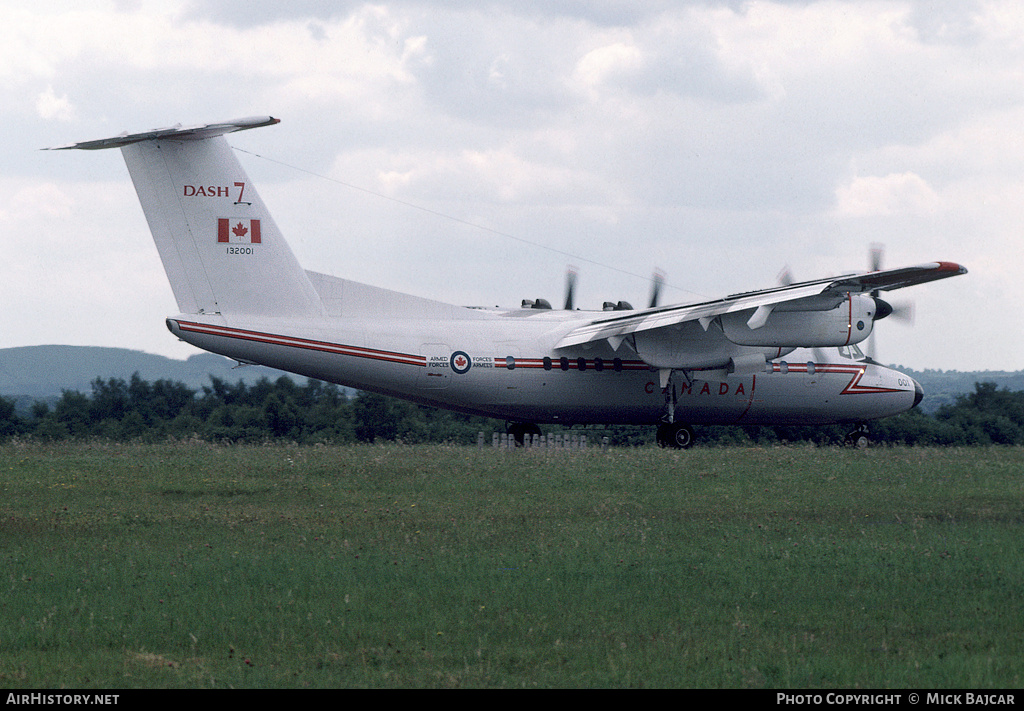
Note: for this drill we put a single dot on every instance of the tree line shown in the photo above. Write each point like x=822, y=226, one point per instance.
x=282, y=410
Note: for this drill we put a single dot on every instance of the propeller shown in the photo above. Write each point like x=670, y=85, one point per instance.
x=657, y=281
x=902, y=311
x=570, y=294
x=875, y=253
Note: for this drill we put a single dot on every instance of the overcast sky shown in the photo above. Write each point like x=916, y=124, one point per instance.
x=717, y=141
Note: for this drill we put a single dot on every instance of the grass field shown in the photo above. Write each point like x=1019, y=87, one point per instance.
x=196, y=565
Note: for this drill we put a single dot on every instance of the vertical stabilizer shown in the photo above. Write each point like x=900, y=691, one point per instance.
x=220, y=247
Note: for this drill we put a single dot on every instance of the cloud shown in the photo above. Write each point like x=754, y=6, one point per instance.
x=893, y=194
x=608, y=63
x=51, y=107
x=717, y=140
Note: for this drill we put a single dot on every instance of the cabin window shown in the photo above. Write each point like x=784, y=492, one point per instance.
x=563, y=363
x=547, y=363
x=581, y=363
x=510, y=362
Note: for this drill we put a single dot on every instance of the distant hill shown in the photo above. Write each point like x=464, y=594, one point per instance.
x=44, y=372
x=941, y=387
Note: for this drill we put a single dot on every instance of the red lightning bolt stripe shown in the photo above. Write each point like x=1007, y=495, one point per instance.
x=855, y=371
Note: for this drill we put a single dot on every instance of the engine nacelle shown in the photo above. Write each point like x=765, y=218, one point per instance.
x=786, y=325
x=688, y=346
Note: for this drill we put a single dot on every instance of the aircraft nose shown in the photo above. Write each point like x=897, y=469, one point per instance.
x=918, y=393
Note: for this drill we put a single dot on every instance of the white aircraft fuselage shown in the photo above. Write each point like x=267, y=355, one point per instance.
x=504, y=364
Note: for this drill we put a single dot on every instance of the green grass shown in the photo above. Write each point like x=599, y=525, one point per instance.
x=195, y=565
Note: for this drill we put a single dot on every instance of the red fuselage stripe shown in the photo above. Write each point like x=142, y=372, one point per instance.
x=374, y=354
x=852, y=388
x=849, y=320
x=304, y=343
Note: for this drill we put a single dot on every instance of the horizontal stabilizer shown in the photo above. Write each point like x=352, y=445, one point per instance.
x=174, y=133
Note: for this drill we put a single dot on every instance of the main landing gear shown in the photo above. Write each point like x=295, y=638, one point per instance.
x=859, y=438
x=672, y=434
x=675, y=435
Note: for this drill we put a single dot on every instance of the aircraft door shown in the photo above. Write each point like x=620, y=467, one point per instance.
x=437, y=374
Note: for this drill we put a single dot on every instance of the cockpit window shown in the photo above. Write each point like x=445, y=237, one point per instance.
x=851, y=352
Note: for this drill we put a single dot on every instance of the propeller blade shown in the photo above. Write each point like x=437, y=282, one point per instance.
x=877, y=252
x=785, y=277
x=656, y=282
x=903, y=311
x=570, y=289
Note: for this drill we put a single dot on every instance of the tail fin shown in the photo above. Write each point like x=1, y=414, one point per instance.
x=220, y=247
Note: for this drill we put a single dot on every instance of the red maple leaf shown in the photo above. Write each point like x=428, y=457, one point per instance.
x=460, y=362
x=239, y=230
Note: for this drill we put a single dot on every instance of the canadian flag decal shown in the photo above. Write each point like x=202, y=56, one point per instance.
x=238, y=231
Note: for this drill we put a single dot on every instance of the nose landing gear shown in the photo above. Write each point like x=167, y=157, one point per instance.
x=675, y=435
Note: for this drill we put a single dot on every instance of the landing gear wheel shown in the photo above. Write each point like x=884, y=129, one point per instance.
x=521, y=430
x=859, y=439
x=675, y=436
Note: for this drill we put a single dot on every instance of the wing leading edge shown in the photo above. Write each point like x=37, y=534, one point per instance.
x=762, y=302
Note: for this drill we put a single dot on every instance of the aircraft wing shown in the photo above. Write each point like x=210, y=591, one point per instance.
x=622, y=324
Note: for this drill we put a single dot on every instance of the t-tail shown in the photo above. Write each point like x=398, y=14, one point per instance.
x=220, y=247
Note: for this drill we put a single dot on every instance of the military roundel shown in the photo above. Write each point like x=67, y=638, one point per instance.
x=461, y=362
